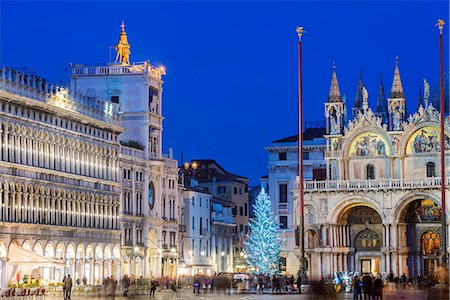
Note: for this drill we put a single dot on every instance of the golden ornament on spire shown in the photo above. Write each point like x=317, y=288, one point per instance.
x=299, y=32
x=440, y=24
x=123, y=48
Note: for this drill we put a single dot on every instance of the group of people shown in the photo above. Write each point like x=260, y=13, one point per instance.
x=206, y=284
x=370, y=287
x=284, y=284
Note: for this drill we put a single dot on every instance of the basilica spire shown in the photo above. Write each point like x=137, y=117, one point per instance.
x=334, y=107
x=420, y=101
x=334, y=94
x=359, y=97
x=396, y=102
x=382, y=107
x=397, y=87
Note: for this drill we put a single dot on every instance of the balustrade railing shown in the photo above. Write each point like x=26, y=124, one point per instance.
x=135, y=68
x=36, y=88
x=375, y=184
x=133, y=152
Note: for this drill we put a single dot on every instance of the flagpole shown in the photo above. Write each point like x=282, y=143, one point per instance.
x=300, y=154
x=440, y=24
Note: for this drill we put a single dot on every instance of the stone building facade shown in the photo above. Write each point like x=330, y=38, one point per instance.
x=149, y=178
x=84, y=187
x=281, y=178
x=59, y=182
x=379, y=211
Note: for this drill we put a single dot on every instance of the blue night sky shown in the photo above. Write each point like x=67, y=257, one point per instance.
x=231, y=84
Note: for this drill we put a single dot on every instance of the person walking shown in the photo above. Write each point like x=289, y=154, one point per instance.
x=68, y=287
x=404, y=280
x=260, y=285
x=152, y=288
x=367, y=287
x=299, y=284
x=64, y=286
x=356, y=287
x=125, y=285
x=378, y=288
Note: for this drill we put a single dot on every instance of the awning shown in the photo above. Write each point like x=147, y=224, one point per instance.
x=20, y=256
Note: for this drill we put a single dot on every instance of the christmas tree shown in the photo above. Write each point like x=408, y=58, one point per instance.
x=264, y=243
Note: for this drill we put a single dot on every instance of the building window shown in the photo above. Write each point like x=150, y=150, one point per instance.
x=305, y=155
x=241, y=211
x=283, y=193
x=370, y=172
x=431, y=171
x=193, y=201
x=282, y=156
x=246, y=209
x=221, y=189
x=115, y=99
x=235, y=190
x=200, y=226
x=430, y=244
x=172, y=239
x=283, y=264
x=241, y=228
x=283, y=222
x=193, y=223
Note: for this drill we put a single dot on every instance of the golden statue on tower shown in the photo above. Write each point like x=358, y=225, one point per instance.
x=123, y=48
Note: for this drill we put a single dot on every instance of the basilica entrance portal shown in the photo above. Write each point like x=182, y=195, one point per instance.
x=423, y=235
x=365, y=230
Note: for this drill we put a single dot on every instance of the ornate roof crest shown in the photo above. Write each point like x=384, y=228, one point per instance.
x=368, y=118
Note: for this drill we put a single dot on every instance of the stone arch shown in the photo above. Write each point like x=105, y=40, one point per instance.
x=403, y=203
x=60, y=251
x=310, y=215
x=107, y=253
x=98, y=252
x=353, y=201
x=70, y=251
x=80, y=251
x=3, y=250
x=116, y=252
x=368, y=240
x=38, y=248
x=413, y=128
x=49, y=250
x=89, y=251
x=311, y=239
x=27, y=245
x=360, y=132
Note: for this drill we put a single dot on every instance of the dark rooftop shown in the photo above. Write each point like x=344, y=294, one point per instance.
x=308, y=135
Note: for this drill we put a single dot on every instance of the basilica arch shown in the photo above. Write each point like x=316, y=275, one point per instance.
x=419, y=225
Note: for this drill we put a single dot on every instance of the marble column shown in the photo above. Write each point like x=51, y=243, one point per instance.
x=345, y=262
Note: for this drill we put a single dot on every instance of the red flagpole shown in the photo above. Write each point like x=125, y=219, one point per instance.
x=440, y=24
x=300, y=152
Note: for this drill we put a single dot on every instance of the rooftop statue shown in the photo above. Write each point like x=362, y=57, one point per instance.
x=123, y=48
x=426, y=88
x=365, y=95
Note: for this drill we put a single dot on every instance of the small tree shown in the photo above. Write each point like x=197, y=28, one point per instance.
x=264, y=243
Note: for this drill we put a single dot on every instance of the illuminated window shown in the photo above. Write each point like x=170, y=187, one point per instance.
x=430, y=243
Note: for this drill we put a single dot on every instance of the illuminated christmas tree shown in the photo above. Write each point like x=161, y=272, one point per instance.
x=264, y=243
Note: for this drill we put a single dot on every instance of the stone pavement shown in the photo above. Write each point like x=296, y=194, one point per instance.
x=409, y=294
